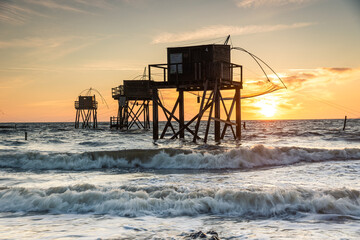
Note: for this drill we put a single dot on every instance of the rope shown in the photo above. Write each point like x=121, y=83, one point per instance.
x=334, y=105
x=256, y=60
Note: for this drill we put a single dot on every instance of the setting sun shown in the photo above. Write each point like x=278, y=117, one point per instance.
x=268, y=110
x=267, y=106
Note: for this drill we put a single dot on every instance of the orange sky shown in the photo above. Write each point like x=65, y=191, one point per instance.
x=50, y=51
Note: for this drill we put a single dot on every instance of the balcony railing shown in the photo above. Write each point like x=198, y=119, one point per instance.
x=86, y=105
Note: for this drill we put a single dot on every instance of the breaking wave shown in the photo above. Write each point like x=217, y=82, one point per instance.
x=240, y=158
x=132, y=201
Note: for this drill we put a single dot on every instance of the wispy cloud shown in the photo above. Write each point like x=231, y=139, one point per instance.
x=306, y=88
x=261, y=3
x=21, y=11
x=35, y=42
x=319, y=77
x=15, y=14
x=110, y=65
x=102, y=4
x=51, y=48
x=223, y=30
x=56, y=5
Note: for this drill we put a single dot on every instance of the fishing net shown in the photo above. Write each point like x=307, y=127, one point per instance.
x=268, y=83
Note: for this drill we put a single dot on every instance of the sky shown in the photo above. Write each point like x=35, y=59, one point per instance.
x=51, y=50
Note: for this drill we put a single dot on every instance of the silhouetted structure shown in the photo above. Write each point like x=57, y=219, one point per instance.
x=133, y=98
x=86, y=109
x=205, y=68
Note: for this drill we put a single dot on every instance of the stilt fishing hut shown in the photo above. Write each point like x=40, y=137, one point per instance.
x=206, y=69
x=133, y=98
x=86, y=109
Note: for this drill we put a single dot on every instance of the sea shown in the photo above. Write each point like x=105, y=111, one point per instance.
x=285, y=179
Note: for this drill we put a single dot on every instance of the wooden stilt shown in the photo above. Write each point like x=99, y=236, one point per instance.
x=168, y=123
x=228, y=117
x=186, y=126
x=238, y=113
x=135, y=119
x=209, y=119
x=155, y=113
x=181, y=112
x=217, y=115
x=200, y=111
x=345, y=123
x=168, y=117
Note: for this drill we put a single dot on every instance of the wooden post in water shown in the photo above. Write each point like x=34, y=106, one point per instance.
x=181, y=112
x=155, y=114
x=217, y=114
x=238, y=113
x=25, y=136
x=344, y=123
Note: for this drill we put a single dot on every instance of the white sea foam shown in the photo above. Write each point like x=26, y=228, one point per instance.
x=240, y=158
x=168, y=201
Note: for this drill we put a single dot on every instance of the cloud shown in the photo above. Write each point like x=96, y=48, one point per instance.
x=56, y=5
x=223, y=30
x=15, y=14
x=312, y=78
x=304, y=87
x=51, y=48
x=35, y=42
x=113, y=65
x=261, y=3
x=21, y=11
x=338, y=70
x=96, y=4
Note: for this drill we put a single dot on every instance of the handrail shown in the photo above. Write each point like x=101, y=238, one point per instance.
x=94, y=105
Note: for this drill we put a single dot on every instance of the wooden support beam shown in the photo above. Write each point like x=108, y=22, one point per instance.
x=168, y=120
x=135, y=118
x=238, y=112
x=95, y=118
x=145, y=126
x=147, y=114
x=228, y=117
x=181, y=112
x=155, y=113
x=191, y=121
x=186, y=126
x=217, y=115
x=223, y=121
x=168, y=123
x=209, y=120
x=200, y=110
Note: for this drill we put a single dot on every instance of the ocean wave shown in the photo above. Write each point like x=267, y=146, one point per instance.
x=169, y=201
x=240, y=158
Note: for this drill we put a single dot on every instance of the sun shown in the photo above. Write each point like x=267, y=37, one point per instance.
x=267, y=107
x=268, y=110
